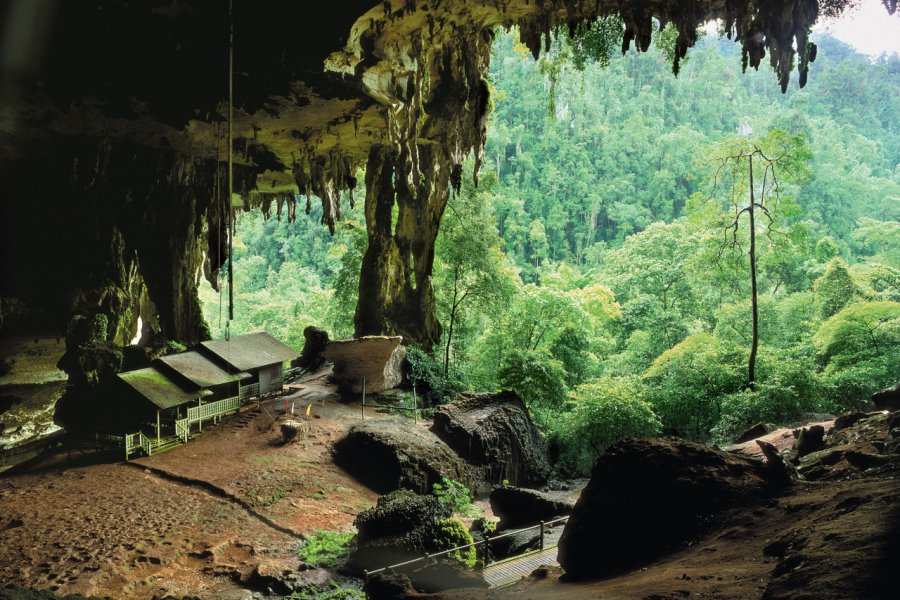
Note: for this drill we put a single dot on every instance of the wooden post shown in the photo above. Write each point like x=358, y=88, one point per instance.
x=487, y=545
x=542, y=535
x=199, y=416
x=415, y=407
x=157, y=426
x=363, y=407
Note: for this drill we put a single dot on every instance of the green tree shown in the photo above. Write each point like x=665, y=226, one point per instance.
x=834, y=289
x=780, y=160
x=537, y=378
x=469, y=267
x=603, y=412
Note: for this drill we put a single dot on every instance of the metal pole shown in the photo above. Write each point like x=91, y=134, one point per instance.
x=157, y=426
x=199, y=416
x=363, y=407
x=415, y=407
x=542, y=535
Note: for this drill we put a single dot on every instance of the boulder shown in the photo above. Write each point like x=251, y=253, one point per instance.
x=402, y=526
x=389, y=453
x=757, y=431
x=646, y=498
x=887, y=399
x=810, y=440
x=494, y=433
x=399, y=527
x=311, y=358
x=520, y=507
x=376, y=358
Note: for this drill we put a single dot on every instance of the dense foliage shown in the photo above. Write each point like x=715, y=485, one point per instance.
x=601, y=267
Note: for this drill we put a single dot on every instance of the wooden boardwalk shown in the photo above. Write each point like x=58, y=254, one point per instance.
x=510, y=571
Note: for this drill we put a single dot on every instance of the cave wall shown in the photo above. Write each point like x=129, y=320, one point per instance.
x=112, y=227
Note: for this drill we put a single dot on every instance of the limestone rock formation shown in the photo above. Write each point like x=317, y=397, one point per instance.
x=378, y=359
x=521, y=507
x=494, y=433
x=391, y=453
x=646, y=498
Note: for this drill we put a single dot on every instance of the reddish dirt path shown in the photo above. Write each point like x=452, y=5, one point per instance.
x=129, y=532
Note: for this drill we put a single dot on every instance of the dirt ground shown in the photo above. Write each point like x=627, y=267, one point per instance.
x=197, y=520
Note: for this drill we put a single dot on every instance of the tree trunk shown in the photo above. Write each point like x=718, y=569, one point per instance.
x=754, y=344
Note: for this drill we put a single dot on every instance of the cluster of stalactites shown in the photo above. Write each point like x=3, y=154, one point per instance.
x=442, y=102
x=780, y=27
x=326, y=177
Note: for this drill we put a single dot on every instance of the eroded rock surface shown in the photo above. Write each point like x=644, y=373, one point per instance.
x=377, y=359
x=494, y=433
x=391, y=453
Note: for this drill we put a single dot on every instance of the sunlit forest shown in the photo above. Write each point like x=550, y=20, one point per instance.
x=643, y=253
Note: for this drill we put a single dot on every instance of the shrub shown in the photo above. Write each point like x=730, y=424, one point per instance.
x=451, y=533
x=325, y=548
x=427, y=375
x=456, y=496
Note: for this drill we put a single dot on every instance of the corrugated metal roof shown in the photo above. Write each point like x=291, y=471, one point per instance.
x=157, y=388
x=251, y=351
x=199, y=370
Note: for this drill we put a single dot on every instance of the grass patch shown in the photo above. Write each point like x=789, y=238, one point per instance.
x=325, y=549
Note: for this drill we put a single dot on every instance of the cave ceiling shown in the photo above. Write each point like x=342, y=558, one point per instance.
x=126, y=101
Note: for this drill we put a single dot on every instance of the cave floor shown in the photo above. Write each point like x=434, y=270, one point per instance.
x=196, y=520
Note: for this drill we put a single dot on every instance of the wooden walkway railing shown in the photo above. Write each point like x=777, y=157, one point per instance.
x=501, y=573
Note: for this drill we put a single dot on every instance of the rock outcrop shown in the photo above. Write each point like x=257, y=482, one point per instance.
x=494, y=433
x=520, y=507
x=390, y=453
x=311, y=358
x=377, y=359
x=646, y=498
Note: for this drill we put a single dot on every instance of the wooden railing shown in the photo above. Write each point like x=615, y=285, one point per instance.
x=484, y=543
x=248, y=391
x=183, y=429
x=213, y=409
x=135, y=441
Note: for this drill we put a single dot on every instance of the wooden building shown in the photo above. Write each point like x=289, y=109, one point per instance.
x=259, y=354
x=168, y=401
